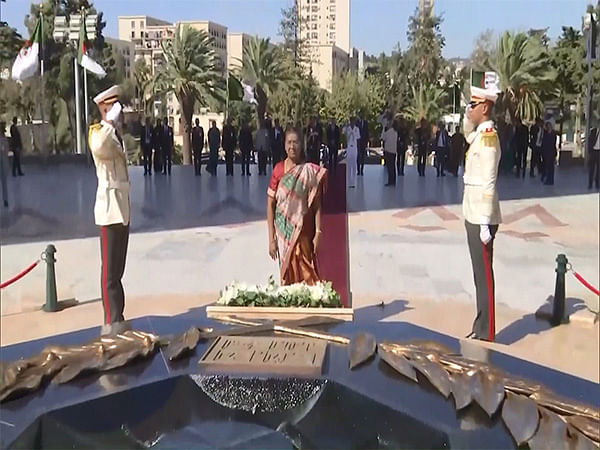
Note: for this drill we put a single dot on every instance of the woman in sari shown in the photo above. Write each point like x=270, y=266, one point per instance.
x=294, y=213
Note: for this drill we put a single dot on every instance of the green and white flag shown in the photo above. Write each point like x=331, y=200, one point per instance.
x=27, y=63
x=485, y=80
x=82, y=56
x=235, y=89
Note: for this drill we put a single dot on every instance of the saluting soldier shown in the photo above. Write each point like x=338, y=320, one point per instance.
x=481, y=206
x=112, y=209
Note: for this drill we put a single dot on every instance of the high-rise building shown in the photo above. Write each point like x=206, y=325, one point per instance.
x=325, y=22
x=127, y=50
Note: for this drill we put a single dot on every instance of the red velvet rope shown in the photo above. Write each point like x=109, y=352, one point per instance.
x=19, y=275
x=586, y=283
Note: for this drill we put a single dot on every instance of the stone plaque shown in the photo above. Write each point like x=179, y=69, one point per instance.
x=251, y=354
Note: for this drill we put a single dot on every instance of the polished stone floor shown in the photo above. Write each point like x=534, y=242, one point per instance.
x=194, y=235
x=56, y=202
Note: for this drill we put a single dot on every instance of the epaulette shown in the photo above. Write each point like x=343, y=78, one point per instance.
x=488, y=132
x=92, y=128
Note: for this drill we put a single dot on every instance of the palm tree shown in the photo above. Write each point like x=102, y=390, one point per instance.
x=263, y=67
x=144, y=84
x=426, y=103
x=525, y=72
x=191, y=71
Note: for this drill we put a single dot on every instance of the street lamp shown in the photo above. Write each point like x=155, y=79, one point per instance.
x=67, y=30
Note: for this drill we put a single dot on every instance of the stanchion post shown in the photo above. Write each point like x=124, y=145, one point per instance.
x=558, y=308
x=51, y=300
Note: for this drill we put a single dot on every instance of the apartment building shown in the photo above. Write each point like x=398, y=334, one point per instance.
x=325, y=22
x=127, y=50
x=326, y=62
x=236, y=43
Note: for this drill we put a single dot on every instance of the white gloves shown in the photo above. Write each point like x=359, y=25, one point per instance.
x=484, y=234
x=115, y=111
x=468, y=125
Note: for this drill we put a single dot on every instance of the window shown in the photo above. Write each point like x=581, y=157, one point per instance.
x=133, y=24
x=332, y=18
x=314, y=26
x=314, y=35
x=133, y=34
x=332, y=26
x=332, y=9
x=141, y=24
x=315, y=9
x=332, y=36
x=314, y=17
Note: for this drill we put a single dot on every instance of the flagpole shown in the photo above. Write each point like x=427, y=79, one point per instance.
x=227, y=98
x=42, y=84
x=85, y=104
x=77, y=106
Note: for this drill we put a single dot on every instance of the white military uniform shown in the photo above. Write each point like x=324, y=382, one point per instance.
x=112, y=208
x=480, y=201
x=481, y=209
x=112, y=197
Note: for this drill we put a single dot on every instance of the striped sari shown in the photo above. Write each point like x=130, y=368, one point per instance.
x=297, y=198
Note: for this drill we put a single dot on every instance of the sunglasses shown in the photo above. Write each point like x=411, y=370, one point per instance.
x=475, y=103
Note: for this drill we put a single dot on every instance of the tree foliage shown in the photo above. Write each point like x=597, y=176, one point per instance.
x=191, y=71
x=264, y=68
x=523, y=64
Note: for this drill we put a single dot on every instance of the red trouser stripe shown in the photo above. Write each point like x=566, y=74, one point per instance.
x=105, y=274
x=490, y=286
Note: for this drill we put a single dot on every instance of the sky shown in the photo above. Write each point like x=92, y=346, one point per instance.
x=375, y=25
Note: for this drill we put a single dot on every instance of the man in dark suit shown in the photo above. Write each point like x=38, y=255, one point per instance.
x=246, y=144
x=363, y=127
x=422, y=136
x=536, y=136
x=593, y=147
x=146, y=138
x=442, y=144
x=277, y=147
x=167, y=146
x=198, y=146
x=549, y=153
x=157, y=134
x=229, y=142
x=16, y=146
x=214, y=142
x=402, y=130
x=521, y=141
x=333, y=144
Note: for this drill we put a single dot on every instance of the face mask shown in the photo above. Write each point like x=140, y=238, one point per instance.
x=114, y=113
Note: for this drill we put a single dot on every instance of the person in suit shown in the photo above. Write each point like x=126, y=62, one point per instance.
x=390, y=146
x=442, y=142
x=229, y=142
x=313, y=143
x=16, y=145
x=277, y=147
x=402, y=130
x=363, y=128
x=263, y=148
x=214, y=143
x=157, y=133
x=112, y=210
x=246, y=144
x=198, y=146
x=457, y=151
x=167, y=146
x=481, y=207
x=593, y=147
x=4, y=146
x=549, y=153
x=422, y=135
x=521, y=138
x=147, y=145
x=536, y=136
x=333, y=144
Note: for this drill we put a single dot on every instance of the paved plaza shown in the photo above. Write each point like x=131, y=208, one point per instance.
x=193, y=235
